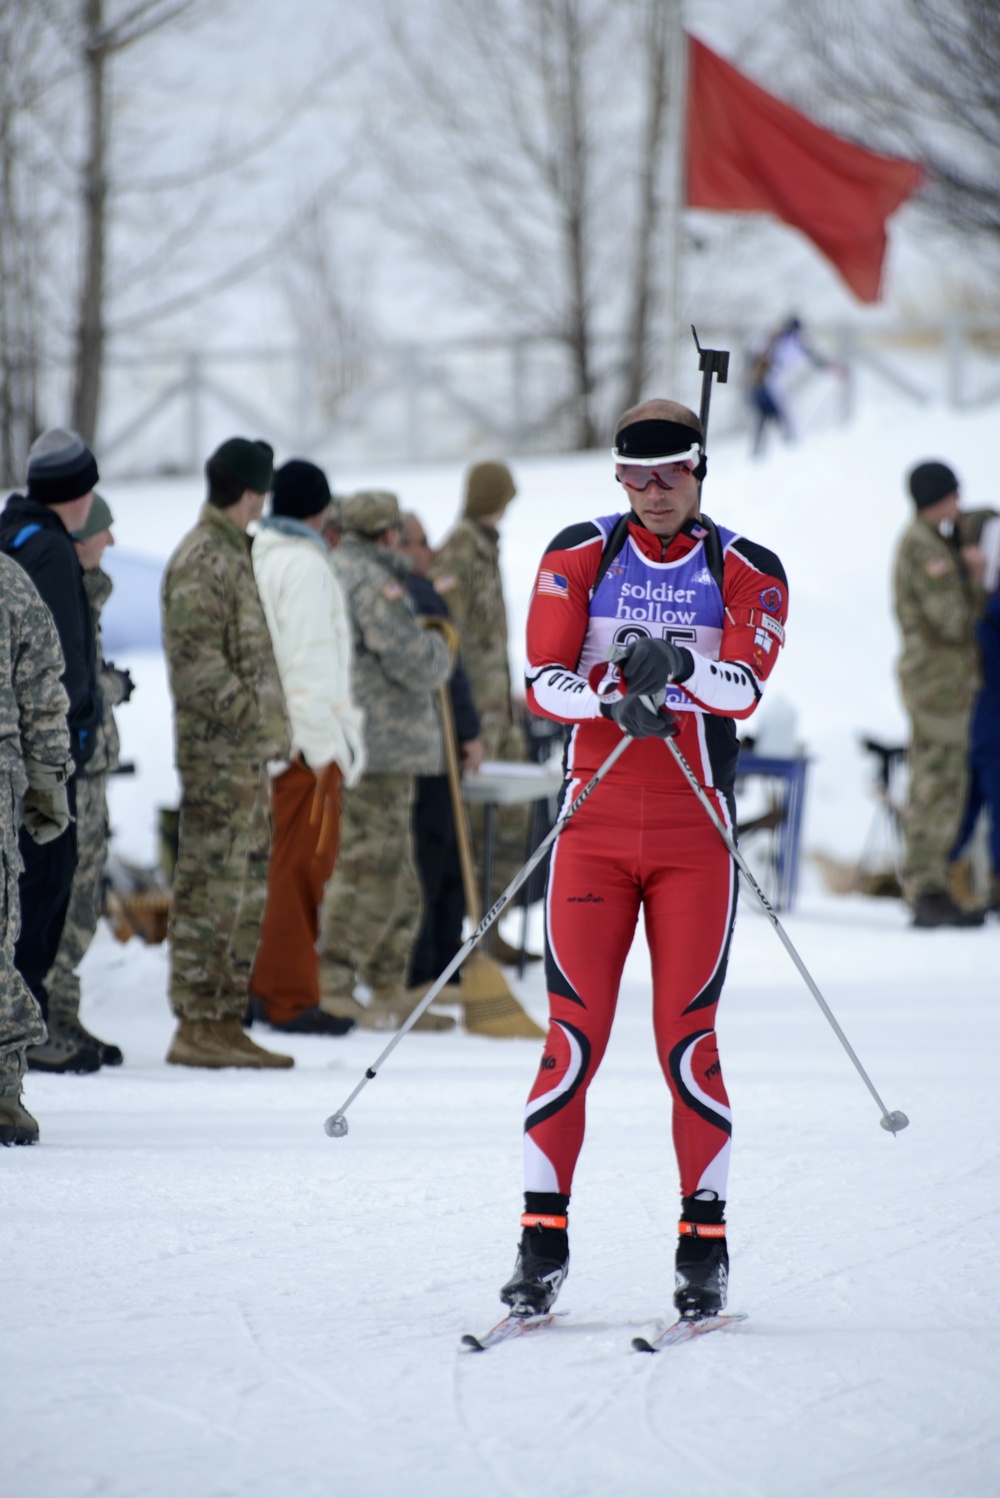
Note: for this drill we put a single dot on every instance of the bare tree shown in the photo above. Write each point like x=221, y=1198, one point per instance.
x=21, y=240
x=924, y=77
x=529, y=170
x=328, y=310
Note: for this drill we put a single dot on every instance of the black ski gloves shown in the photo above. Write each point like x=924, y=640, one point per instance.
x=647, y=665
x=635, y=719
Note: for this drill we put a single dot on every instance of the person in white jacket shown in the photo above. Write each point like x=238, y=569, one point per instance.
x=307, y=617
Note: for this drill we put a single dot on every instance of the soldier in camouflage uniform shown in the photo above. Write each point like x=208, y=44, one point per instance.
x=229, y=721
x=373, y=906
x=92, y=828
x=466, y=573
x=936, y=605
x=35, y=764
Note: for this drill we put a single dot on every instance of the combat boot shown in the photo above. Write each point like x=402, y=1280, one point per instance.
x=701, y=1275
x=936, y=908
x=218, y=1043
x=16, y=1124
x=388, y=1008
x=63, y=1054
x=69, y=1028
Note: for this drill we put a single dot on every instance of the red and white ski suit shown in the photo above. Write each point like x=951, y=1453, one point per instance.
x=643, y=839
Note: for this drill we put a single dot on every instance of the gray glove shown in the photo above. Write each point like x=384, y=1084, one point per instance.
x=44, y=806
x=639, y=721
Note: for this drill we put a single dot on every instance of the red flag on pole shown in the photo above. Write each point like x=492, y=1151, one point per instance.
x=748, y=151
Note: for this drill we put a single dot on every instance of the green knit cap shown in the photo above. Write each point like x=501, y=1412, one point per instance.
x=99, y=519
x=489, y=488
x=250, y=463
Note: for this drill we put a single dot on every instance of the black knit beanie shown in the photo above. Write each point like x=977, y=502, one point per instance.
x=250, y=463
x=300, y=489
x=61, y=467
x=930, y=482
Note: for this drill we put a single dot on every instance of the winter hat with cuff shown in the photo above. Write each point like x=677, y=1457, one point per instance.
x=489, y=488
x=99, y=519
x=299, y=490
x=371, y=512
x=61, y=468
x=250, y=463
x=930, y=482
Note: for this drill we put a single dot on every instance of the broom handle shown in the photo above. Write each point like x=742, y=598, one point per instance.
x=457, y=804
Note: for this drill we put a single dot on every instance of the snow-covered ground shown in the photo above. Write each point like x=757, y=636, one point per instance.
x=206, y=1296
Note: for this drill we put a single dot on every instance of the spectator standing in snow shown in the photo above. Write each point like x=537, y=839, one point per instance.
x=436, y=848
x=937, y=602
x=373, y=909
x=307, y=616
x=773, y=359
x=229, y=722
x=35, y=766
x=466, y=573
x=36, y=530
x=92, y=830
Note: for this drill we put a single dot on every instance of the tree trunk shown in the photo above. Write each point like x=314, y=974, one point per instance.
x=89, y=361
x=657, y=40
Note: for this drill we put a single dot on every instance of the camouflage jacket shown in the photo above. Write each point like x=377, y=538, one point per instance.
x=98, y=587
x=228, y=705
x=466, y=573
x=397, y=665
x=33, y=700
x=936, y=606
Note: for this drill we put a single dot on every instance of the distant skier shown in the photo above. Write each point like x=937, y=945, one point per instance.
x=700, y=613
x=773, y=359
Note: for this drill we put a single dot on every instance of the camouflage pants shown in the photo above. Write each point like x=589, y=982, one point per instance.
x=92, y=835
x=373, y=904
x=220, y=888
x=21, y=1022
x=510, y=823
x=938, y=782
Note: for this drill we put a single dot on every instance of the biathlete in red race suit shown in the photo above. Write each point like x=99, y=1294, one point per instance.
x=700, y=613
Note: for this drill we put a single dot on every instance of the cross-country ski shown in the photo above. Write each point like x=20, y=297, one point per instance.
x=685, y=1330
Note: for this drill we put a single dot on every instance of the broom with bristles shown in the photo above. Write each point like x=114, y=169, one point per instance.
x=489, y=1007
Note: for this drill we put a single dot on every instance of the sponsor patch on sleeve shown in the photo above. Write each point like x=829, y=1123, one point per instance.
x=773, y=627
x=392, y=590
x=552, y=584
x=771, y=599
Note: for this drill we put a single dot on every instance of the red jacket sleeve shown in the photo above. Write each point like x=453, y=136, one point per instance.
x=557, y=623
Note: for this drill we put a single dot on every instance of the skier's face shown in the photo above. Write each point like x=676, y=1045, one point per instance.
x=668, y=501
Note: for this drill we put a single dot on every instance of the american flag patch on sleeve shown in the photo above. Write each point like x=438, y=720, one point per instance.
x=552, y=583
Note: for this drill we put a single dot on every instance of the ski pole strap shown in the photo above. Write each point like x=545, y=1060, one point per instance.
x=702, y=1229
x=542, y=1220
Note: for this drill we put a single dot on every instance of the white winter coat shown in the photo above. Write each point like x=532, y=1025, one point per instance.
x=311, y=632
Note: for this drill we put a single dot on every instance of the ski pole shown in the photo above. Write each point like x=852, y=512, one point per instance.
x=336, y=1124
x=893, y=1122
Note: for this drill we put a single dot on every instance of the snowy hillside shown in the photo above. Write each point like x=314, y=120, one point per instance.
x=207, y=1297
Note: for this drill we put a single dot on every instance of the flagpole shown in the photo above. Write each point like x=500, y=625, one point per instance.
x=676, y=118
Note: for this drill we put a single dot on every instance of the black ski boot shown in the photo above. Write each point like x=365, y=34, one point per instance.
x=542, y=1257
x=702, y=1263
